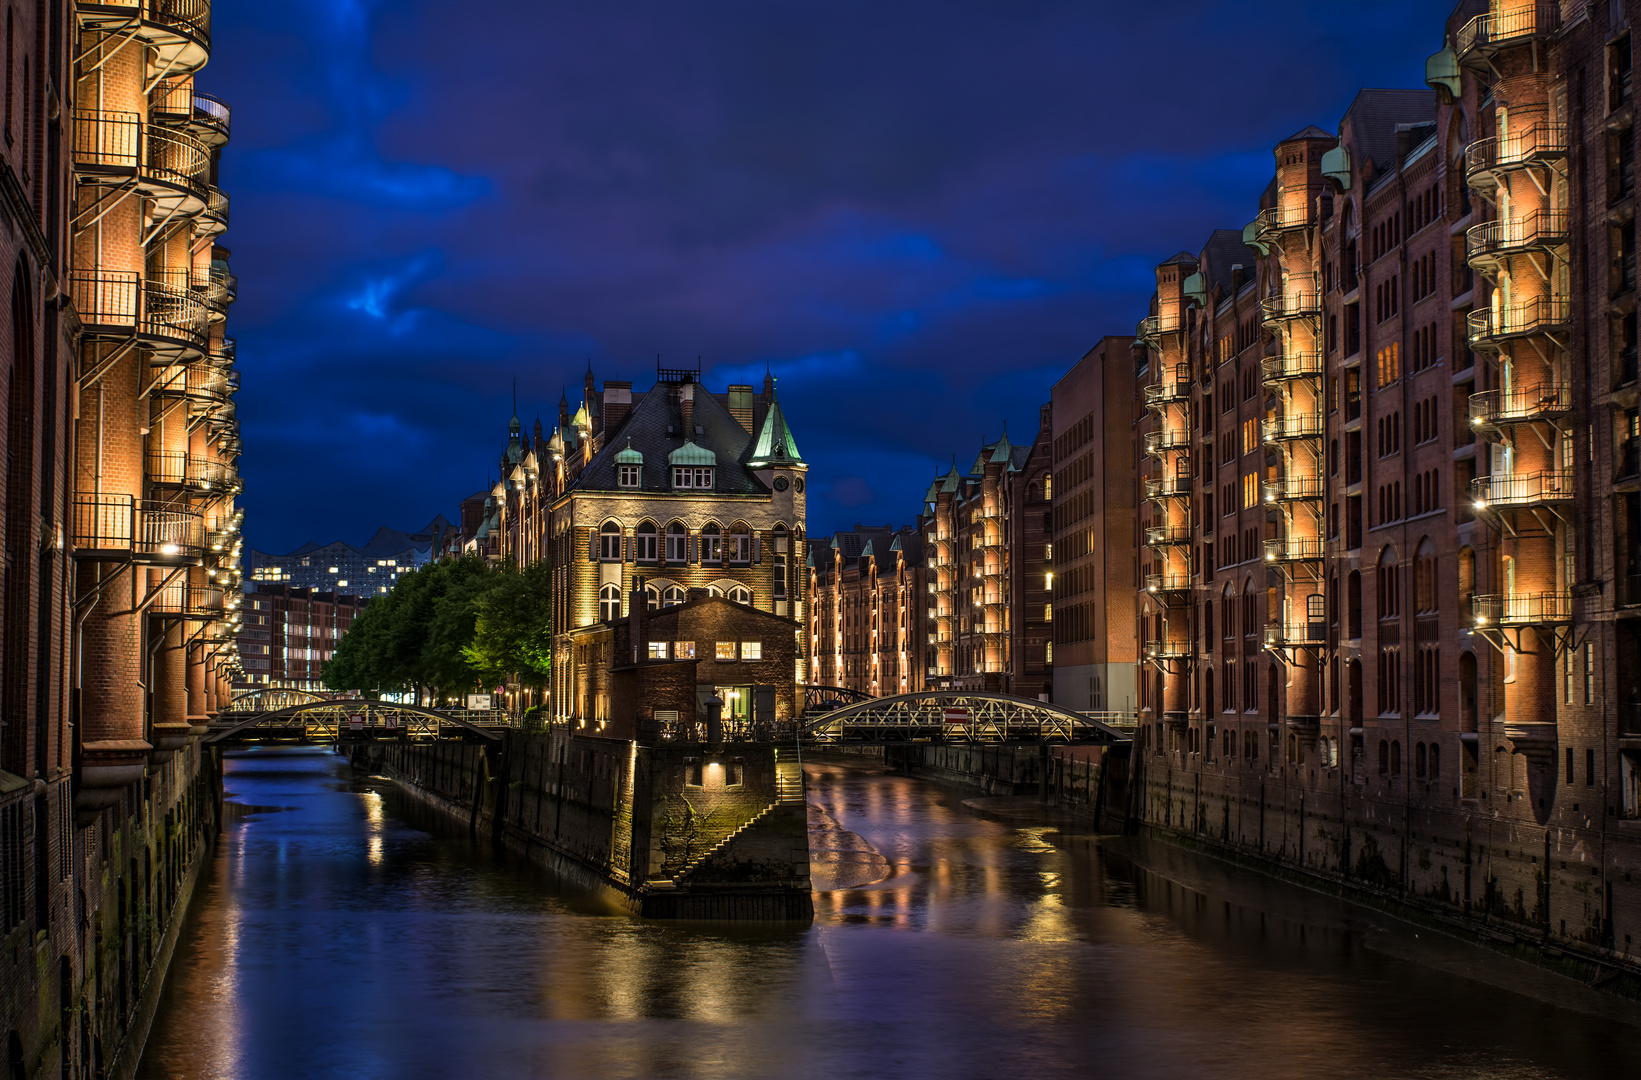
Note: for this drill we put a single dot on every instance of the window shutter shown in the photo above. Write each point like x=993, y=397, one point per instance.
x=592, y=548
x=757, y=549
x=694, y=549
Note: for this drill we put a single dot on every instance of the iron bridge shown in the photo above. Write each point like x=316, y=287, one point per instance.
x=966, y=716
x=353, y=722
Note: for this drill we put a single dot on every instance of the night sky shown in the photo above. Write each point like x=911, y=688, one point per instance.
x=918, y=214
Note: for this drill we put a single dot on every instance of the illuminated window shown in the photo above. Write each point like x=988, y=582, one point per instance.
x=683, y=650
x=689, y=477
x=712, y=544
x=726, y=650
x=609, y=603
x=741, y=595
x=646, y=542
x=609, y=542
x=1250, y=491
x=677, y=543
x=674, y=596
x=658, y=650
x=752, y=650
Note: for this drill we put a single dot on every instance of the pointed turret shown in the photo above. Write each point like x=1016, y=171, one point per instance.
x=775, y=444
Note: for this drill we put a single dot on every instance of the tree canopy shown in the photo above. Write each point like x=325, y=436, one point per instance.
x=449, y=628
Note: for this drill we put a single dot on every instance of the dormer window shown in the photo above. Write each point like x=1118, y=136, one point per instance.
x=694, y=478
x=629, y=476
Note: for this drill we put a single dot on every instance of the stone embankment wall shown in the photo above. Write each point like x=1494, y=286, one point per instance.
x=679, y=831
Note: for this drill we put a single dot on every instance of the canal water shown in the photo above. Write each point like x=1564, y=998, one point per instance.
x=342, y=932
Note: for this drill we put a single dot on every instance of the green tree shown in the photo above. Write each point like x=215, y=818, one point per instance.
x=513, y=632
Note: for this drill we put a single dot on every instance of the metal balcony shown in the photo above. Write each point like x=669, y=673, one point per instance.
x=1302, y=365
x=1170, y=588
x=1167, y=650
x=1492, y=409
x=1166, y=391
x=1293, y=426
x=1521, y=609
x=1152, y=327
x=213, y=220
x=1287, y=635
x=189, y=597
x=1158, y=442
x=177, y=104
x=1293, y=550
x=175, y=468
x=1293, y=489
x=1486, y=160
x=1487, y=246
x=1159, y=536
x=219, y=287
x=170, y=318
x=168, y=166
x=1490, y=327
x=121, y=527
x=1486, y=35
x=1279, y=219
x=1523, y=489
x=1168, y=487
x=1297, y=305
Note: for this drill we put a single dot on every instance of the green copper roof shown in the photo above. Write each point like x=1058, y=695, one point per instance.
x=1003, y=450
x=629, y=456
x=775, y=443
x=690, y=454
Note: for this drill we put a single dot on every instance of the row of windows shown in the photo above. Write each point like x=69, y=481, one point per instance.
x=609, y=598
x=722, y=650
x=685, y=478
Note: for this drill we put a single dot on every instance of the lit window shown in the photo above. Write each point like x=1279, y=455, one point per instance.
x=712, y=541
x=609, y=603
x=683, y=650
x=752, y=650
x=740, y=546
x=658, y=650
x=677, y=544
x=726, y=650
x=687, y=477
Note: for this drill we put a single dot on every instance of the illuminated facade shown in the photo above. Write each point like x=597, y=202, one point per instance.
x=122, y=538
x=289, y=633
x=673, y=488
x=868, y=610
x=987, y=542
x=1390, y=486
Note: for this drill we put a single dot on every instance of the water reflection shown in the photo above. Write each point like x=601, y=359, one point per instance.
x=350, y=934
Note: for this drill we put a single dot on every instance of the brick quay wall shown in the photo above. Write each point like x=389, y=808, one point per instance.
x=680, y=831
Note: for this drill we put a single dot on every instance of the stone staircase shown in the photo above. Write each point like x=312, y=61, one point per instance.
x=788, y=792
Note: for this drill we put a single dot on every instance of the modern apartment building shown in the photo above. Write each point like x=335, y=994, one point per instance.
x=121, y=534
x=364, y=571
x=665, y=490
x=869, y=611
x=987, y=540
x=1093, y=553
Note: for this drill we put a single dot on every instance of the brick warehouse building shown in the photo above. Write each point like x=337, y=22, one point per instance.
x=1390, y=494
x=288, y=634
x=675, y=487
x=869, y=604
x=120, y=530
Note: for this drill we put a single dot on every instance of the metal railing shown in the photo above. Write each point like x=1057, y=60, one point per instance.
x=120, y=524
x=176, y=467
x=190, y=17
x=1167, y=535
x=1529, y=146
x=1293, y=426
x=1167, y=650
x=1520, y=404
x=1496, y=29
x=1521, y=609
x=1154, y=326
x=1293, y=549
x=1302, y=365
x=1305, y=633
x=1164, y=487
x=1290, y=306
x=190, y=598
x=1523, y=489
x=1536, y=230
x=118, y=298
x=121, y=142
x=1534, y=316
x=1280, y=218
x=1293, y=487
x=1169, y=582
x=1173, y=439
x=215, y=217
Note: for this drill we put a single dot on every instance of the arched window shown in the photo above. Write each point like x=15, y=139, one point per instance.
x=652, y=597
x=647, y=542
x=740, y=543
x=609, y=603
x=712, y=544
x=1388, y=585
x=609, y=542
x=673, y=597
x=741, y=595
x=1424, y=578
x=713, y=590
x=677, y=544
x=781, y=547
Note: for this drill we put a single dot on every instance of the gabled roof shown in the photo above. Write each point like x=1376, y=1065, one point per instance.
x=1183, y=258
x=1310, y=131
x=655, y=429
x=1374, y=116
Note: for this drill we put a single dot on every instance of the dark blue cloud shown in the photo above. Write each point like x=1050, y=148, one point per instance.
x=916, y=214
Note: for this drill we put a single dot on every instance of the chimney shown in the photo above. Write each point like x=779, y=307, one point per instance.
x=637, y=616
x=686, y=407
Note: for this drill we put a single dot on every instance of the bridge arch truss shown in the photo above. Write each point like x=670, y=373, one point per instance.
x=354, y=721
x=965, y=716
